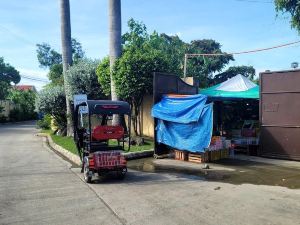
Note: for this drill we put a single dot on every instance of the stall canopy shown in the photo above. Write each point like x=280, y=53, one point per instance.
x=184, y=123
x=238, y=87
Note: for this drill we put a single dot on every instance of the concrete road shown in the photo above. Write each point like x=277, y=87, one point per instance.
x=36, y=187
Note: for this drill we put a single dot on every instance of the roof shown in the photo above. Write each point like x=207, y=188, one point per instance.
x=238, y=87
x=25, y=88
x=108, y=107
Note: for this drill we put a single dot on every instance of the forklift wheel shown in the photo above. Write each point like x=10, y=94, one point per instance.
x=86, y=174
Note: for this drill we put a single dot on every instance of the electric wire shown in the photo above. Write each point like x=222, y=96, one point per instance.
x=243, y=52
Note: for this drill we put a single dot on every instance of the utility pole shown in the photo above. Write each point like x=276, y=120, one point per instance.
x=185, y=64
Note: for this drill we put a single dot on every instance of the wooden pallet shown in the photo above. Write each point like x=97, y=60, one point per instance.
x=181, y=155
x=198, y=157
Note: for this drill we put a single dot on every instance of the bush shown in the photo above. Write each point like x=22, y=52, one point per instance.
x=82, y=79
x=3, y=119
x=52, y=101
x=25, y=101
x=15, y=115
x=45, y=123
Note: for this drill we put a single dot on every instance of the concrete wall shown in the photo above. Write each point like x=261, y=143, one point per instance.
x=147, y=122
x=8, y=106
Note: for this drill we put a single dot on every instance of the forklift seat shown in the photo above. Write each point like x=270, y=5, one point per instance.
x=103, y=133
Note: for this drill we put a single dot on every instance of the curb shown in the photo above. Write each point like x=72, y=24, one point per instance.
x=76, y=159
x=69, y=155
x=138, y=155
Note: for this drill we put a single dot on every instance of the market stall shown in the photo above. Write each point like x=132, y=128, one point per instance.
x=236, y=112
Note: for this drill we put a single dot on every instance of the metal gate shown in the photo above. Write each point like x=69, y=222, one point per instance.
x=280, y=114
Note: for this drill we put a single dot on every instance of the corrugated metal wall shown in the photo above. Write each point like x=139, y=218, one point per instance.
x=280, y=114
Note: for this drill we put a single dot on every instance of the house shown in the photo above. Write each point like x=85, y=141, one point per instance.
x=25, y=88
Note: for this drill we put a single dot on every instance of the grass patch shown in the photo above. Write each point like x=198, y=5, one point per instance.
x=69, y=144
x=65, y=142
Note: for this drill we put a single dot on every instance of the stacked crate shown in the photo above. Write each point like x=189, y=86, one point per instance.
x=181, y=155
x=198, y=157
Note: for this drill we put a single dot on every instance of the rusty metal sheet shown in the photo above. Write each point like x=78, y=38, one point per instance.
x=280, y=142
x=280, y=114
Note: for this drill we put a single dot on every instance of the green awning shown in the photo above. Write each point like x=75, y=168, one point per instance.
x=238, y=87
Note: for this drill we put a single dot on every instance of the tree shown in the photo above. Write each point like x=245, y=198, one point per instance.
x=291, y=7
x=66, y=56
x=52, y=101
x=133, y=71
x=25, y=104
x=48, y=57
x=204, y=67
x=55, y=74
x=103, y=73
x=8, y=75
x=247, y=71
x=82, y=79
x=115, y=48
x=174, y=49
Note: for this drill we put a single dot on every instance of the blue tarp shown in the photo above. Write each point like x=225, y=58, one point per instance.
x=184, y=123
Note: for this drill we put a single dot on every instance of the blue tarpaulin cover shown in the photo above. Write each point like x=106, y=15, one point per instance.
x=185, y=123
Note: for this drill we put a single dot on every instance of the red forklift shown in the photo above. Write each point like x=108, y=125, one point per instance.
x=99, y=142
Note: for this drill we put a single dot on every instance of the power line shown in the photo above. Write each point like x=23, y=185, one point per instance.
x=243, y=52
x=186, y=56
x=34, y=78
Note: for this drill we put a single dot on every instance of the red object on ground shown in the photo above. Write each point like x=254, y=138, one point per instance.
x=108, y=160
x=107, y=132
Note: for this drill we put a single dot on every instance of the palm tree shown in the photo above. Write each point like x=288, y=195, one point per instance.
x=66, y=55
x=115, y=48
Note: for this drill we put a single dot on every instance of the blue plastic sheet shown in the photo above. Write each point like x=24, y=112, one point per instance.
x=184, y=123
x=180, y=110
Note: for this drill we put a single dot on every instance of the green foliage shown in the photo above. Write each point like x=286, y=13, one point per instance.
x=8, y=74
x=173, y=48
x=52, y=101
x=82, y=79
x=56, y=74
x=4, y=89
x=204, y=67
x=77, y=51
x=49, y=57
x=15, y=115
x=291, y=7
x=2, y=117
x=25, y=104
x=247, y=71
x=44, y=123
x=103, y=73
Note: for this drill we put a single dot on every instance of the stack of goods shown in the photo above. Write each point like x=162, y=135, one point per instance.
x=219, y=148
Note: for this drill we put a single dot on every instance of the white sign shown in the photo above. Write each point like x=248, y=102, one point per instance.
x=79, y=99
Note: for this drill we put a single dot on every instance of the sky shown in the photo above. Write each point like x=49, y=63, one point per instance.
x=238, y=25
